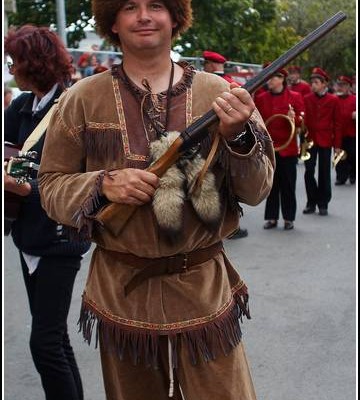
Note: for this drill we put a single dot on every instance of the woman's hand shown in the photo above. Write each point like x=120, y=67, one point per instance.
x=11, y=185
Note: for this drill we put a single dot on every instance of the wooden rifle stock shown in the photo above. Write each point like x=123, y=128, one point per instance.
x=115, y=215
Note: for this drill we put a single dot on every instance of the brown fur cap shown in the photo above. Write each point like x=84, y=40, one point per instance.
x=105, y=12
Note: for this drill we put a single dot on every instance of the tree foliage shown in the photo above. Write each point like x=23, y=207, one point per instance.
x=43, y=13
x=250, y=31
x=336, y=52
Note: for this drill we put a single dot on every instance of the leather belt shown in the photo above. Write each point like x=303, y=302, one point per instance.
x=175, y=264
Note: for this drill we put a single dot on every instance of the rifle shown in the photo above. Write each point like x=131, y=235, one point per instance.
x=114, y=216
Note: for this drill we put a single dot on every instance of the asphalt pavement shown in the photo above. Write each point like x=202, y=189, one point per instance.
x=301, y=341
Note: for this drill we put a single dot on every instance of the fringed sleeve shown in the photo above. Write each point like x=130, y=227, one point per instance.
x=69, y=194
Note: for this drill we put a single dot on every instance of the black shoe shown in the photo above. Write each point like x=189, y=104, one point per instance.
x=323, y=211
x=288, y=225
x=338, y=183
x=238, y=234
x=352, y=180
x=309, y=210
x=270, y=224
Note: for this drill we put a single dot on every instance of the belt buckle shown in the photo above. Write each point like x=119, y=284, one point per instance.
x=175, y=268
x=184, y=265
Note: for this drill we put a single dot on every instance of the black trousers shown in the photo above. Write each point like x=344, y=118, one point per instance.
x=318, y=192
x=347, y=168
x=283, y=190
x=49, y=291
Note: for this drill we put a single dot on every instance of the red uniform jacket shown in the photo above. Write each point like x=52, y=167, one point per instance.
x=301, y=87
x=348, y=106
x=259, y=92
x=225, y=76
x=269, y=104
x=323, y=119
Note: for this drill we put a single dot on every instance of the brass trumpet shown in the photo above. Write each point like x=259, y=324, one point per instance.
x=304, y=147
x=305, y=144
x=291, y=126
x=338, y=157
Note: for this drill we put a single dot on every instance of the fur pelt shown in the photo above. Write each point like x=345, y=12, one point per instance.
x=204, y=197
x=170, y=195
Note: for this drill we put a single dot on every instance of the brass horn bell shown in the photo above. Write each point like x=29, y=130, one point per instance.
x=291, y=128
x=338, y=157
x=305, y=146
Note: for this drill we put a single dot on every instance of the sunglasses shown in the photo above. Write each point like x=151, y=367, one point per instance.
x=10, y=65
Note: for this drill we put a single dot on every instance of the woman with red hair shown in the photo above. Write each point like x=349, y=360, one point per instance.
x=50, y=261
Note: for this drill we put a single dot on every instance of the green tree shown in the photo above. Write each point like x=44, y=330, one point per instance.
x=225, y=26
x=250, y=31
x=336, y=52
x=43, y=12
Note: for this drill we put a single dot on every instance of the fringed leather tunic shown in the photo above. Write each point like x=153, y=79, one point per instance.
x=99, y=126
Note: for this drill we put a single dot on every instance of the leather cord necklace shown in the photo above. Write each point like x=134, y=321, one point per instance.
x=155, y=124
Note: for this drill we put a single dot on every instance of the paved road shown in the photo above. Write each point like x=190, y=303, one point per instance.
x=301, y=340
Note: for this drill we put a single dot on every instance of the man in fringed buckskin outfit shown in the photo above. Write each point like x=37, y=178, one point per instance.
x=162, y=297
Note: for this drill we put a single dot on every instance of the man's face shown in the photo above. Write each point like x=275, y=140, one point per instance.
x=318, y=85
x=293, y=77
x=208, y=66
x=143, y=25
x=275, y=83
x=353, y=87
x=342, y=88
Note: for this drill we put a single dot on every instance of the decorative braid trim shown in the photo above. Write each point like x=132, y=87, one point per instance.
x=205, y=337
x=178, y=88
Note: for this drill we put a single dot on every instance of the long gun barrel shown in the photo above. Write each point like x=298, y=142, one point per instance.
x=115, y=215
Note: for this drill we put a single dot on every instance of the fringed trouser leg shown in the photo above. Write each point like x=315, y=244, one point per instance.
x=226, y=378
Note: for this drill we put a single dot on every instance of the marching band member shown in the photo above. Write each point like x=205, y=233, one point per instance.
x=295, y=83
x=346, y=168
x=280, y=100
x=323, y=120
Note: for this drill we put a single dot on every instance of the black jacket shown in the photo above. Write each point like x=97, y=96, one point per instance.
x=34, y=232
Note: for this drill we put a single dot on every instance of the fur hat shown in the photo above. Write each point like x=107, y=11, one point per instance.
x=105, y=12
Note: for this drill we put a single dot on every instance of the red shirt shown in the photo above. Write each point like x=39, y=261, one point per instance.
x=323, y=119
x=301, y=87
x=269, y=104
x=348, y=106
